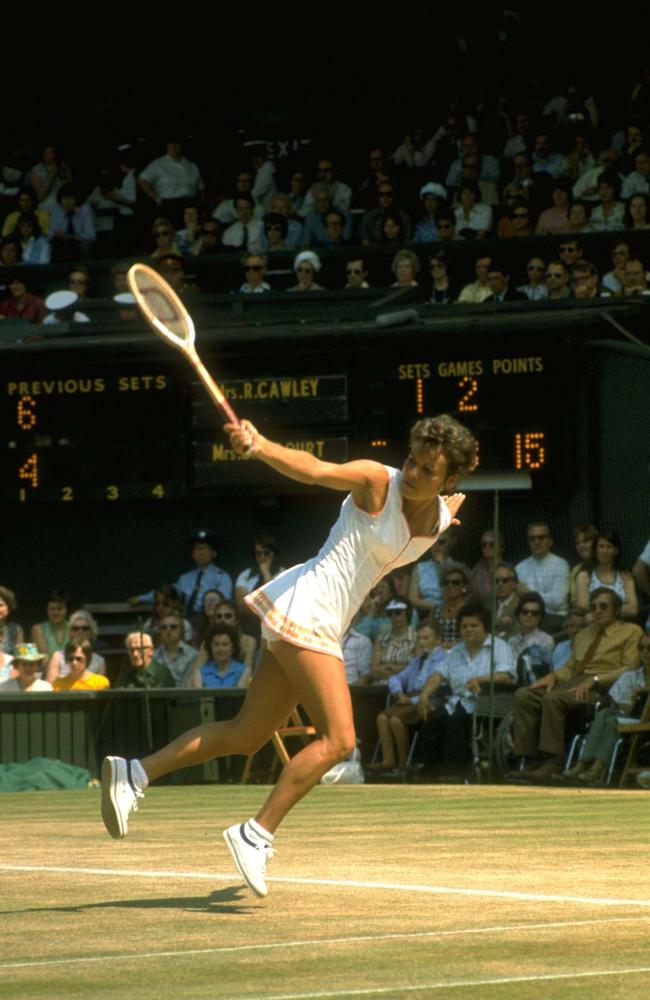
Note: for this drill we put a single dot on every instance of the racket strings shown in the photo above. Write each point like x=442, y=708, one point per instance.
x=159, y=302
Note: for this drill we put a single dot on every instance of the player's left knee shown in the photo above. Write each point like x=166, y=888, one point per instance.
x=340, y=746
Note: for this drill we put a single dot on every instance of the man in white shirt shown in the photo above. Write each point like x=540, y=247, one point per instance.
x=172, y=182
x=357, y=656
x=638, y=182
x=246, y=233
x=479, y=290
x=546, y=573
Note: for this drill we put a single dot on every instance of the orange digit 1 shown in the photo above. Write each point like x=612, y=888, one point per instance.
x=29, y=470
x=467, y=403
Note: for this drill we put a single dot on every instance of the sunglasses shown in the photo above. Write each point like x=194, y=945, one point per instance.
x=80, y=628
x=554, y=274
x=253, y=267
x=435, y=265
x=353, y=270
x=77, y=659
x=530, y=611
x=162, y=232
x=452, y=583
x=173, y=627
x=600, y=605
x=401, y=611
x=445, y=225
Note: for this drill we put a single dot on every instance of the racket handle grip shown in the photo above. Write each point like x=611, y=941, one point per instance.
x=216, y=395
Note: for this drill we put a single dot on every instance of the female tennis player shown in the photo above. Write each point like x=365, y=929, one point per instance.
x=389, y=518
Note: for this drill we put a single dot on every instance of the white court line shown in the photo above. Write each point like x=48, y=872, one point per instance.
x=383, y=990
x=315, y=942
x=437, y=890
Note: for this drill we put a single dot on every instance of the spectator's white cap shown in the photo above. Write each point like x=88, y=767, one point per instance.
x=311, y=257
x=397, y=605
x=124, y=299
x=433, y=188
x=60, y=300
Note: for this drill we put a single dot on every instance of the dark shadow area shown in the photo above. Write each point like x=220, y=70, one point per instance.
x=219, y=902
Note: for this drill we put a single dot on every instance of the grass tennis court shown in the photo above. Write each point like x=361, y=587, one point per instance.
x=452, y=891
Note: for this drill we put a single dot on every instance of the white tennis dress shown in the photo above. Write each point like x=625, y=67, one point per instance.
x=312, y=604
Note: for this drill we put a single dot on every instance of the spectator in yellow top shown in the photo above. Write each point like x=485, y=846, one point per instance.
x=77, y=656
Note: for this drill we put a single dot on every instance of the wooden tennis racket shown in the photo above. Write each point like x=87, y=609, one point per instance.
x=168, y=317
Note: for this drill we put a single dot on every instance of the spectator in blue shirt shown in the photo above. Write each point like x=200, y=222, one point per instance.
x=222, y=670
x=205, y=576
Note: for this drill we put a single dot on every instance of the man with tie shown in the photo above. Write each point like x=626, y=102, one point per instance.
x=601, y=653
x=246, y=233
x=205, y=576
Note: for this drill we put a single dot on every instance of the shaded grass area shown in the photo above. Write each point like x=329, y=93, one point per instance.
x=174, y=936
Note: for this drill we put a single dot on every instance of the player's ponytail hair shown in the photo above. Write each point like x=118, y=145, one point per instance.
x=445, y=434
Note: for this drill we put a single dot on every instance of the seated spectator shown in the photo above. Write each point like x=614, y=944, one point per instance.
x=166, y=598
x=446, y=223
x=372, y=619
x=165, y=236
x=446, y=736
x=602, y=652
x=48, y=176
x=280, y=204
x=507, y=587
x=172, y=268
x=276, y=227
x=516, y=222
x=555, y=219
x=443, y=290
x=628, y=144
x=141, y=671
x=225, y=211
x=53, y=633
x=22, y=304
x=27, y=663
x=455, y=586
x=316, y=232
x=580, y=158
x=523, y=183
x=586, y=187
x=481, y=574
x=608, y=214
x=77, y=655
x=637, y=212
x=173, y=653
x=638, y=180
x=641, y=572
x=339, y=192
x=296, y=194
x=529, y=640
x=265, y=565
x=212, y=599
x=586, y=281
x=10, y=251
x=366, y=192
x=391, y=229
x=479, y=290
x=635, y=281
x=579, y=217
x=357, y=274
x=11, y=633
x=264, y=186
x=499, y=282
x=191, y=231
x=520, y=137
x=606, y=571
x=473, y=218
x=431, y=195
x=27, y=205
x=572, y=106
x=220, y=612
x=254, y=265
x=557, y=280
x=402, y=715
x=209, y=241
x=405, y=266
x=83, y=627
x=584, y=537
x=489, y=165
x=394, y=648
x=613, y=280
x=535, y=288
x=246, y=233
x=415, y=151
x=357, y=656
x=471, y=172
x=335, y=225
x=72, y=226
x=221, y=669
x=603, y=734
x=35, y=249
x=306, y=266
x=78, y=280
x=575, y=620
x=545, y=573
x=570, y=252
x=425, y=590
x=371, y=229
x=544, y=159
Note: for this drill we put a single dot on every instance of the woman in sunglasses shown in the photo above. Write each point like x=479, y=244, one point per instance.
x=220, y=612
x=389, y=518
x=306, y=265
x=164, y=235
x=264, y=566
x=83, y=628
x=530, y=641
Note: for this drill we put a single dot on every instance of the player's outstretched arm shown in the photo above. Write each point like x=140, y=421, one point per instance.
x=368, y=480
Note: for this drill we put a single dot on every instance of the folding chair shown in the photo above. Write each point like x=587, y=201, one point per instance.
x=294, y=726
x=636, y=730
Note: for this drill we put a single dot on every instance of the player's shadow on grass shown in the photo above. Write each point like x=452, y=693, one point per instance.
x=220, y=902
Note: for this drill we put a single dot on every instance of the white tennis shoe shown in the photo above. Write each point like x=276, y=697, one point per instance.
x=251, y=853
x=119, y=795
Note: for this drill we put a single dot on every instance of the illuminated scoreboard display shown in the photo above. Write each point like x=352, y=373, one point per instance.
x=112, y=432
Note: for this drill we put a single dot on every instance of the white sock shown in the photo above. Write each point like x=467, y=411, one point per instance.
x=259, y=830
x=139, y=775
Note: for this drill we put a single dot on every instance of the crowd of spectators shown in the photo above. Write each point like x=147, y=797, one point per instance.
x=562, y=635
x=525, y=168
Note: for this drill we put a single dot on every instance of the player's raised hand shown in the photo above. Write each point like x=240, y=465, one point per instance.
x=244, y=438
x=454, y=503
